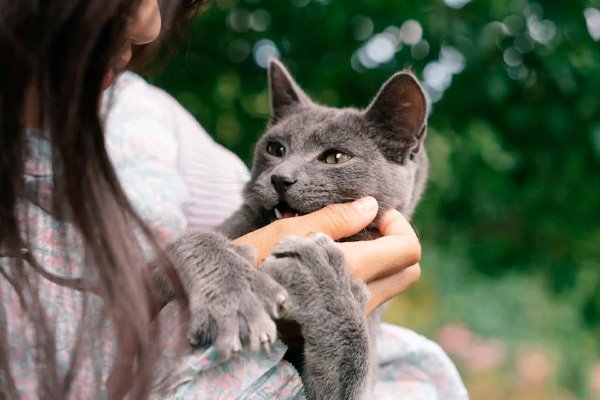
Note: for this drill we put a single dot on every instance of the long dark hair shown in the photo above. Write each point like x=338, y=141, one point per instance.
x=55, y=54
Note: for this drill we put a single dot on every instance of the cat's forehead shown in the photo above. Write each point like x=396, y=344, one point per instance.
x=321, y=126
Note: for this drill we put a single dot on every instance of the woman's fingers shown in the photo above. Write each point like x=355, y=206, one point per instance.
x=389, y=287
x=396, y=249
x=388, y=264
x=339, y=220
x=336, y=220
x=376, y=259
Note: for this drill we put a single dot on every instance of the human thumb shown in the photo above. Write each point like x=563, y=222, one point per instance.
x=338, y=220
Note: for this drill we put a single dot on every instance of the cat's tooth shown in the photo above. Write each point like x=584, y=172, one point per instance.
x=296, y=215
x=278, y=214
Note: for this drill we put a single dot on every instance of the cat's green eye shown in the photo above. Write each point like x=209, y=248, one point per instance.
x=335, y=157
x=275, y=149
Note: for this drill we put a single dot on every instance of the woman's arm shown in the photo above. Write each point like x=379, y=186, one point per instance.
x=389, y=264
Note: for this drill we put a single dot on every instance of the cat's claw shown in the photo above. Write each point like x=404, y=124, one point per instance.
x=283, y=304
x=267, y=347
x=264, y=338
x=236, y=348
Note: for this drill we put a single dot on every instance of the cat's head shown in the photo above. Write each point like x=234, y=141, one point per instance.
x=312, y=155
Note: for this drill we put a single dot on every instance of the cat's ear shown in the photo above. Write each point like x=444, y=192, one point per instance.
x=400, y=111
x=286, y=95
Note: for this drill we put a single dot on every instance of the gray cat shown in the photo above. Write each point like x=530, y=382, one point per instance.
x=309, y=157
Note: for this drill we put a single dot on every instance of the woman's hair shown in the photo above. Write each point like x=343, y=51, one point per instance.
x=55, y=54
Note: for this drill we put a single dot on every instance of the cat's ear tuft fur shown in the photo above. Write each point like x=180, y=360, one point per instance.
x=400, y=110
x=286, y=95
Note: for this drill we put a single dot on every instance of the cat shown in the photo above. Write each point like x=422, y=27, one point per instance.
x=310, y=156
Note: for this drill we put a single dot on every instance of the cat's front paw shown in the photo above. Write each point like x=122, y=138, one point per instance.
x=231, y=302
x=328, y=304
x=314, y=272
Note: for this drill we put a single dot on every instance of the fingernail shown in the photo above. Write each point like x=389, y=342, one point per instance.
x=366, y=205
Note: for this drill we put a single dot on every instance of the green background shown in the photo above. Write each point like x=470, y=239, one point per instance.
x=510, y=221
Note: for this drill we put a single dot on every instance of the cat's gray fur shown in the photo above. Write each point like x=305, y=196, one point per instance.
x=305, y=279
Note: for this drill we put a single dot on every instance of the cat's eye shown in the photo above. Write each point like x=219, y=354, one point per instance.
x=275, y=149
x=333, y=156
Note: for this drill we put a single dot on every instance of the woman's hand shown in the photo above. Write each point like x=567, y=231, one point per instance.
x=389, y=264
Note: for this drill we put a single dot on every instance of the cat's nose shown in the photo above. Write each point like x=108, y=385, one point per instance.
x=282, y=183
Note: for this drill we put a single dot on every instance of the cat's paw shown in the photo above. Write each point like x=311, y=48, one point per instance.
x=231, y=302
x=313, y=271
x=328, y=304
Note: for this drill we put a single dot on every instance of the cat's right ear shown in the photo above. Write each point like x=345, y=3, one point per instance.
x=286, y=95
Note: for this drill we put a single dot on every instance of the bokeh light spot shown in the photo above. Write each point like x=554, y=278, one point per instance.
x=412, y=32
x=260, y=20
x=452, y=59
x=238, y=20
x=264, y=50
x=512, y=57
x=437, y=76
x=456, y=3
x=592, y=20
x=381, y=48
x=541, y=31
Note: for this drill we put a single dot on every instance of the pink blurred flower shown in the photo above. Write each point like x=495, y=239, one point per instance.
x=534, y=366
x=594, y=380
x=485, y=355
x=475, y=353
x=454, y=338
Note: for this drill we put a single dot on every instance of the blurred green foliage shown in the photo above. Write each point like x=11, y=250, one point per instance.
x=510, y=221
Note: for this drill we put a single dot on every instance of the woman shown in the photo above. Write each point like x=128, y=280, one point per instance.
x=77, y=301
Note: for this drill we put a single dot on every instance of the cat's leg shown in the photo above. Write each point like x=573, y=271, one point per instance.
x=231, y=302
x=329, y=307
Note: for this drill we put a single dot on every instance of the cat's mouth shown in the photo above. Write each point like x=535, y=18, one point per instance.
x=283, y=210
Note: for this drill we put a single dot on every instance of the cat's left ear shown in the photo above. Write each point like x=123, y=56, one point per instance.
x=286, y=95
x=400, y=111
